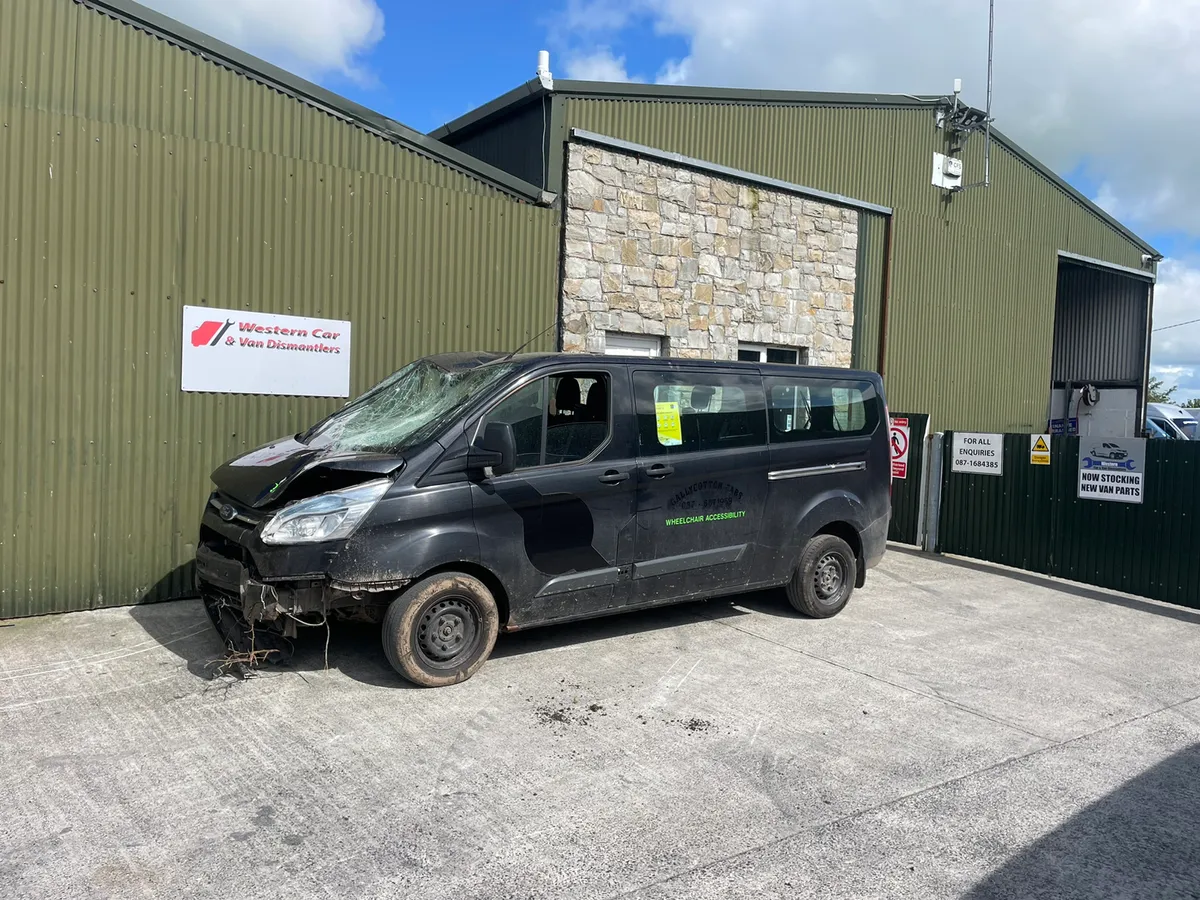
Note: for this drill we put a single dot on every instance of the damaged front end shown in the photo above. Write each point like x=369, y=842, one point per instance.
x=280, y=546
x=264, y=574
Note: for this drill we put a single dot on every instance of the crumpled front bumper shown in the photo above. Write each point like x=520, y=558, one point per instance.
x=229, y=582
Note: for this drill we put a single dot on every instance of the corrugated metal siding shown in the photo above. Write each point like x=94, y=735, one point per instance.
x=1004, y=519
x=107, y=230
x=1031, y=517
x=57, y=55
x=906, y=492
x=974, y=276
x=515, y=144
x=33, y=69
x=1099, y=326
x=868, y=290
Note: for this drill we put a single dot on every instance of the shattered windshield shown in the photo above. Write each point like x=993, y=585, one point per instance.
x=403, y=409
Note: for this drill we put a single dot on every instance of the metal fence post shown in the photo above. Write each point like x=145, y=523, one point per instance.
x=931, y=493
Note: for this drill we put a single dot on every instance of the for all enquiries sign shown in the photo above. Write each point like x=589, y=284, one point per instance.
x=978, y=454
x=229, y=351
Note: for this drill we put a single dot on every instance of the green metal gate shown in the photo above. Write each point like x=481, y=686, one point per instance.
x=906, y=492
x=1031, y=518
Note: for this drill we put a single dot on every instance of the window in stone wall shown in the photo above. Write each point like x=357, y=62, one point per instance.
x=793, y=356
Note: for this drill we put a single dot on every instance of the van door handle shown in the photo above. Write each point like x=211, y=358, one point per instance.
x=658, y=470
x=612, y=476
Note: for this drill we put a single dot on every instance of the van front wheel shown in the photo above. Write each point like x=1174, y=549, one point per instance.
x=441, y=630
x=825, y=578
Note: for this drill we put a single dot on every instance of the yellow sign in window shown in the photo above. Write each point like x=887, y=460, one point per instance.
x=670, y=432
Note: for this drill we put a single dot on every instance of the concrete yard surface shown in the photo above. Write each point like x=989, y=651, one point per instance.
x=958, y=731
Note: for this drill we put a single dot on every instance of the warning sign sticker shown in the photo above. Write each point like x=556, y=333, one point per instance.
x=899, y=438
x=1039, y=449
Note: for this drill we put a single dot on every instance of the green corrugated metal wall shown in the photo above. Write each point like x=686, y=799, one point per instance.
x=868, y=293
x=971, y=315
x=138, y=178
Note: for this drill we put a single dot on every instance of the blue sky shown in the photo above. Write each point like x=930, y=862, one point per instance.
x=1106, y=93
x=438, y=61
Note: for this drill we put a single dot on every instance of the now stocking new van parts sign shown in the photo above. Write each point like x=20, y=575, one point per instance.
x=1112, y=469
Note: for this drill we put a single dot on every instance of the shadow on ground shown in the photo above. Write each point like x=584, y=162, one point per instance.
x=1070, y=588
x=1139, y=841
x=354, y=648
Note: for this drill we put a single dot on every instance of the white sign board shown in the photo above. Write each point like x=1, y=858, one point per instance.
x=977, y=454
x=898, y=437
x=1112, y=469
x=230, y=351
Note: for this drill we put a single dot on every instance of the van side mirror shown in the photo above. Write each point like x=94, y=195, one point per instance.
x=495, y=447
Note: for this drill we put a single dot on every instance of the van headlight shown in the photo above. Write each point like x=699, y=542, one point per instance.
x=326, y=517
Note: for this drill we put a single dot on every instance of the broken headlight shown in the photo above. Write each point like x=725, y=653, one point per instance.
x=326, y=517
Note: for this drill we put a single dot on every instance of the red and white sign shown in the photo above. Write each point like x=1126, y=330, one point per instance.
x=898, y=437
x=230, y=351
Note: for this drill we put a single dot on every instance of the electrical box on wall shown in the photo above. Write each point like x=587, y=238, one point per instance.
x=947, y=171
x=1102, y=412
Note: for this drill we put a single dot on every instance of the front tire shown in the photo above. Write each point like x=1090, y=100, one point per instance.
x=825, y=578
x=441, y=630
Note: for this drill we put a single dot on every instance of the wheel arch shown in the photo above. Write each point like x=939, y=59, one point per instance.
x=489, y=578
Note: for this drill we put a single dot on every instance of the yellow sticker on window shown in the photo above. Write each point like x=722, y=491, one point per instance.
x=670, y=432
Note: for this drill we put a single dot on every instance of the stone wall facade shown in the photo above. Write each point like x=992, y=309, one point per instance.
x=703, y=262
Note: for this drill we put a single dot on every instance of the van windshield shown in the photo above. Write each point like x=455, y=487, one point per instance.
x=404, y=409
x=1188, y=426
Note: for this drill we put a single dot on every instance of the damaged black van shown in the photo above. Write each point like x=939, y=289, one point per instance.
x=470, y=494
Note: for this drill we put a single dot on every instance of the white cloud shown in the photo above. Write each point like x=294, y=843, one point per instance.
x=1110, y=84
x=599, y=65
x=310, y=37
x=1175, y=352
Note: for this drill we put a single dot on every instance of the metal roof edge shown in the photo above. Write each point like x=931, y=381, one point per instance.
x=726, y=171
x=665, y=92
x=1108, y=266
x=272, y=76
x=1072, y=192
x=522, y=94
x=505, y=103
x=636, y=90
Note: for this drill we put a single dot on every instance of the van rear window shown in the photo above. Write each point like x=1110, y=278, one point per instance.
x=815, y=409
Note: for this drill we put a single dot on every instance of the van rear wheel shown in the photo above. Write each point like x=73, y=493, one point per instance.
x=823, y=582
x=441, y=630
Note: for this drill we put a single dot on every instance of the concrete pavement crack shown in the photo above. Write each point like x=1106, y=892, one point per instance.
x=850, y=817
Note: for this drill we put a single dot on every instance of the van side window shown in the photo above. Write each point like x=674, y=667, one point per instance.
x=816, y=409
x=524, y=411
x=563, y=418
x=689, y=412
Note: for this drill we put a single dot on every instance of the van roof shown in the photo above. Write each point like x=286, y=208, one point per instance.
x=531, y=360
x=1166, y=409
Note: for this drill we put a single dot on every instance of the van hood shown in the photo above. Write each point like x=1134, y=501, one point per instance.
x=289, y=470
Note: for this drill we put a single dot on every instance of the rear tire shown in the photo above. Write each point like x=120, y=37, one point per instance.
x=825, y=578
x=441, y=630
